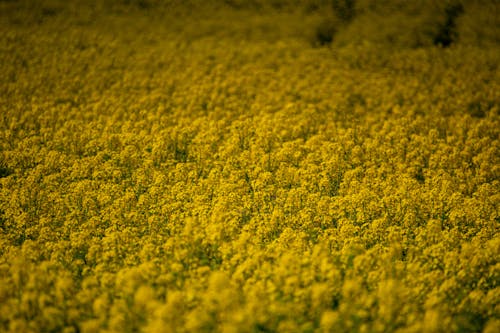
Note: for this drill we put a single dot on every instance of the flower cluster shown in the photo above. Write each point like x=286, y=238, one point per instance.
x=153, y=183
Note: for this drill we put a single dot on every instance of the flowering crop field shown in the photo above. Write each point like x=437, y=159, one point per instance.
x=249, y=166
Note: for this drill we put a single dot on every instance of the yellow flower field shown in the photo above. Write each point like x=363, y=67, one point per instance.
x=249, y=166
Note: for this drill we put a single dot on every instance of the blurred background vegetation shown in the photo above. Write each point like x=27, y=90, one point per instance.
x=384, y=23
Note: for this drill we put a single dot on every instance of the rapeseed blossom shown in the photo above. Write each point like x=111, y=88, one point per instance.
x=171, y=167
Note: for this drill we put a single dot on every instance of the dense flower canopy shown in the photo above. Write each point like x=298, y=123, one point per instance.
x=186, y=168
